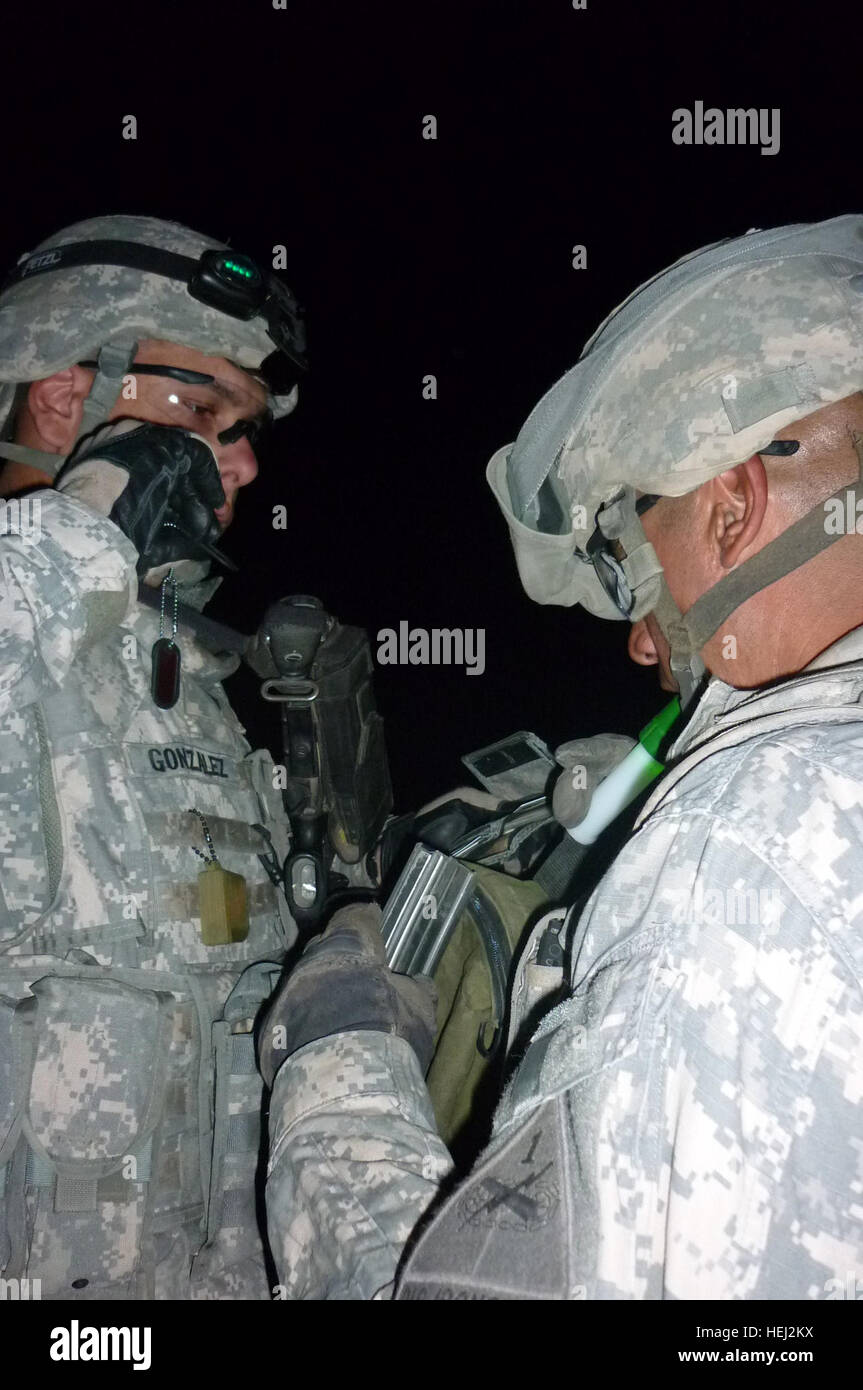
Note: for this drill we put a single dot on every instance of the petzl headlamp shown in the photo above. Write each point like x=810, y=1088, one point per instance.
x=228, y=281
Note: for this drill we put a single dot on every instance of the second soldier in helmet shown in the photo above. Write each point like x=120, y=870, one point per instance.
x=685, y=1123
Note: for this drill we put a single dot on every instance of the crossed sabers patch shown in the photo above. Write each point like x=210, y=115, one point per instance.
x=521, y=1205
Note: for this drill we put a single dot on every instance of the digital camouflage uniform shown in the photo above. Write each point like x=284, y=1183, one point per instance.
x=686, y=1124
x=129, y=1094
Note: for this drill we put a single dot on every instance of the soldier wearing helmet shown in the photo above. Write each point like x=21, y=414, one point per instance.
x=685, y=1123
x=138, y=362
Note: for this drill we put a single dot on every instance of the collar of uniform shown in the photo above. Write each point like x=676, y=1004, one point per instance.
x=722, y=706
x=193, y=586
x=847, y=648
x=198, y=595
x=208, y=666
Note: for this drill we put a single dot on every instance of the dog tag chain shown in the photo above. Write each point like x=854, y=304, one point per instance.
x=222, y=902
x=165, y=677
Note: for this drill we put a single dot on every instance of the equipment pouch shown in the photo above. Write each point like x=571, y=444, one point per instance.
x=472, y=980
x=93, y=1054
x=98, y=1062
x=233, y=1253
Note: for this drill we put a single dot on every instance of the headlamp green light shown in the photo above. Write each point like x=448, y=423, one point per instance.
x=230, y=283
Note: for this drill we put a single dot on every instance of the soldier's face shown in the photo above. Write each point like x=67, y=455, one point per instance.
x=206, y=409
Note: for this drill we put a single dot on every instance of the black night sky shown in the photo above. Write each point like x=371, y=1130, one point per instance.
x=303, y=126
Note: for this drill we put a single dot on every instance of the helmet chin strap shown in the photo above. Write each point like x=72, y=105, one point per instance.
x=619, y=521
x=688, y=633
x=114, y=361
x=686, y=665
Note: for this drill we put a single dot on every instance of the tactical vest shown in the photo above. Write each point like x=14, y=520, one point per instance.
x=129, y=1093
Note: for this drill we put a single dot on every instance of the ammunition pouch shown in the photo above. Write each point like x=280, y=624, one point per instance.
x=472, y=978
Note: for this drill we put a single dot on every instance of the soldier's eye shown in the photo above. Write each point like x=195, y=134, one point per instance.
x=198, y=409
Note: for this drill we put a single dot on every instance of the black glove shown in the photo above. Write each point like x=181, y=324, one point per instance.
x=144, y=477
x=341, y=983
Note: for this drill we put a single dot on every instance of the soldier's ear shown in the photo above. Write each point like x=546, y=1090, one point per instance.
x=52, y=409
x=738, y=509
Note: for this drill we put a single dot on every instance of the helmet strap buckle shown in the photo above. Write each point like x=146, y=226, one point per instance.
x=114, y=361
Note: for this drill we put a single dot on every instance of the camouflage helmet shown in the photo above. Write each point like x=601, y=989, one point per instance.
x=50, y=321
x=692, y=374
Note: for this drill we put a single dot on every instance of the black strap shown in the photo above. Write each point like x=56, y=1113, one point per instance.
x=558, y=873
x=114, y=252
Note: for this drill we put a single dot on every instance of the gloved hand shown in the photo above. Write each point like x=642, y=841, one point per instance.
x=144, y=476
x=342, y=982
x=586, y=762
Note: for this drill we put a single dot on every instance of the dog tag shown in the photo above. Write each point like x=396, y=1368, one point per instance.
x=165, y=678
x=223, y=905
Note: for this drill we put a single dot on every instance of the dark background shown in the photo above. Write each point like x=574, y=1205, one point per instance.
x=303, y=126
